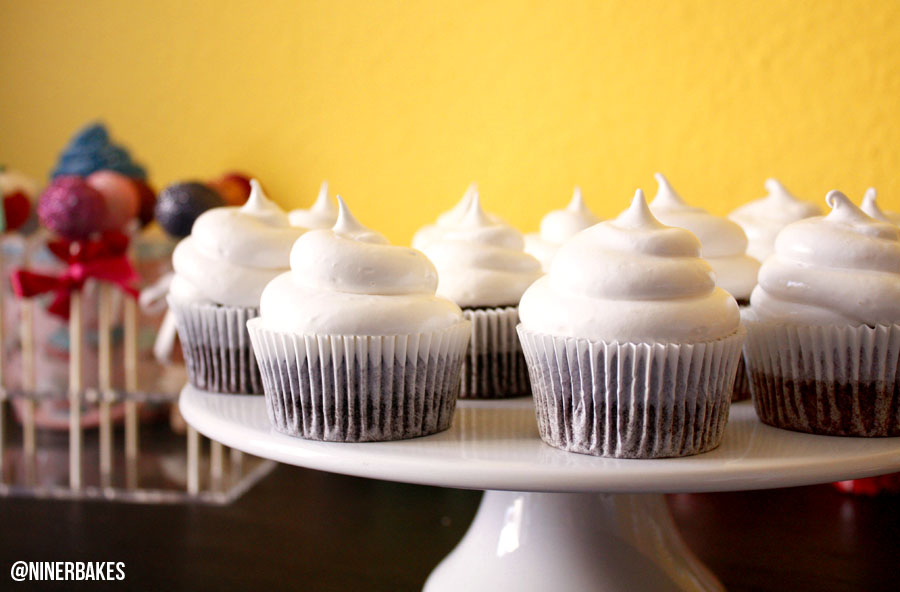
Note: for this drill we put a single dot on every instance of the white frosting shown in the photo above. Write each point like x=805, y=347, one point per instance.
x=322, y=214
x=763, y=219
x=631, y=279
x=349, y=281
x=870, y=207
x=843, y=268
x=724, y=243
x=233, y=252
x=557, y=227
x=448, y=219
x=480, y=260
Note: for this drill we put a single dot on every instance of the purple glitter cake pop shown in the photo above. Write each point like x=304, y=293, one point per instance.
x=72, y=208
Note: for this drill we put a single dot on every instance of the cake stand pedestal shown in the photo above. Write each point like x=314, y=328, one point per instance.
x=552, y=520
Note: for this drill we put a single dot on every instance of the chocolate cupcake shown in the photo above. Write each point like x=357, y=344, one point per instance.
x=823, y=345
x=722, y=243
x=631, y=347
x=482, y=267
x=353, y=344
x=220, y=272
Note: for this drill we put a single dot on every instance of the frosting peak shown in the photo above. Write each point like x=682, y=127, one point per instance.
x=763, y=218
x=724, y=243
x=870, y=207
x=232, y=252
x=630, y=279
x=348, y=226
x=322, y=214
x=480, y=259
x=557, y=227
x=349, y=280
x=638, y=214
x=842, y=268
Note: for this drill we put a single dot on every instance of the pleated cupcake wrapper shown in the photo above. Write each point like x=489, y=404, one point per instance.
x=360, y=388
x=494, y=366
x=836, y=380
x=631, y=400
x=741, y=391
x=217, y=350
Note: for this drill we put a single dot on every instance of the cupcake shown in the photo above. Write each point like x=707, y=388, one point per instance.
x=483, y=268
x=763, y=218
x=220, y=272
x=631, y=347
x=870, y=207
x=724, y=246
x=448, y=220
x=557, y=227
x=353, y=343
x=322, y=214
x=823, y=344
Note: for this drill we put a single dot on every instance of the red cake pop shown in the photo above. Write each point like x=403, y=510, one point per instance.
x=234, y=187
x=72, y=208
x=16, y=208
x=120, y=194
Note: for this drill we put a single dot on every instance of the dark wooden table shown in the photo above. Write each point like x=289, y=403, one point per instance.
x=312, y=531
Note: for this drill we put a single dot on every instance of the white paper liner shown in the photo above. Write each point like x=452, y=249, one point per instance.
x=835, y=380
x=494, y=366
x=631, y=400
x=741, y=390
x=345, y=388
x=217, y=350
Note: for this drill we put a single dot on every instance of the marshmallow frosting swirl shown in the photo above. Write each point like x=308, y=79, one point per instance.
x=557, y=227
x=448, y=220
x=839, y=269
x=481, y=261
x=349, y=281
x=763, y=219
x=634, y=280
x=724, y=242
x=870, y=207
x=322, y=214
x=233, y=252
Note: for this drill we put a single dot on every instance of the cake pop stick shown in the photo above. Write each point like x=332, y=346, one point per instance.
x=28, y=386
x=104, y=347
x=75, y=384
x=193, y=461
x=216, y=456
x=131, y=386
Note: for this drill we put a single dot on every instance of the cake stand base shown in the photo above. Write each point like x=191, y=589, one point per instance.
x=571, y=542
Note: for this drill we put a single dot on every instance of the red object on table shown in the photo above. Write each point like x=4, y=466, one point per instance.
x=887, y=484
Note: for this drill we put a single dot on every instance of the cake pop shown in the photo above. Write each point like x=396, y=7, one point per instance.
x=179, y=204
x=91, y=150
x=17, y=191
x=72, y=208
x=120, y=195
x=234, y=188
x=147, y=201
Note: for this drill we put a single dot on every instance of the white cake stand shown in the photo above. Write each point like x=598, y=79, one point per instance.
x=552, y=520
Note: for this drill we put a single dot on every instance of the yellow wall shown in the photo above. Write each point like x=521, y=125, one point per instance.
x=400, y=104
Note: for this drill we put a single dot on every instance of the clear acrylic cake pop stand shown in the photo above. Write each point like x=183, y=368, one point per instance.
x=71, y=417
x=552, y=520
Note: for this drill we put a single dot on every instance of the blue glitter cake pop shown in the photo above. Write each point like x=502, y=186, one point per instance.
x=91, y=150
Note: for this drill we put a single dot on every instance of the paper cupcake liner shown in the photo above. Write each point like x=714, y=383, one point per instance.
x=741, y=390
x=217, y=350
x=835, y=380
x=494, y=365
x=631, y=400
x=342, y=388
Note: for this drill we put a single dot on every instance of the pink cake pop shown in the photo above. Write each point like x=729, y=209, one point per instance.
x=72, y=208
x=120, y=194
